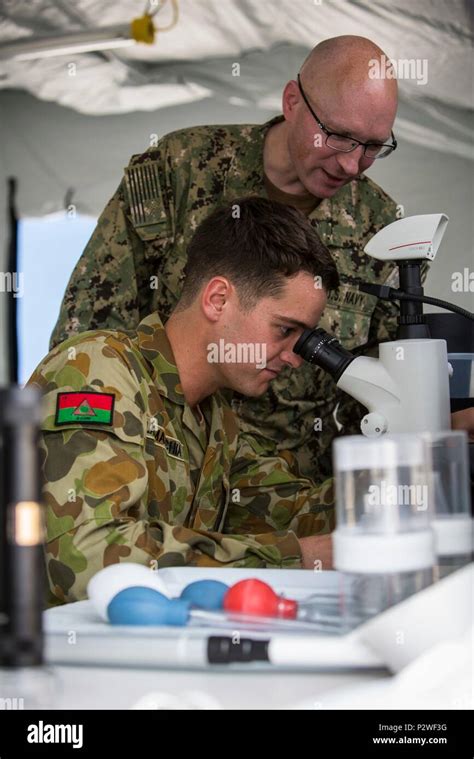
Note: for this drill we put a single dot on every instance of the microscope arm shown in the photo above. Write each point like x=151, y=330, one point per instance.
x=367, y=380
x=405, y=390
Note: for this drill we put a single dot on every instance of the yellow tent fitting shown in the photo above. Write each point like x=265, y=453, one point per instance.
x=143, y=30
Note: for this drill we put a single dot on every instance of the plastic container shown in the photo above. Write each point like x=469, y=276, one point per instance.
x=447, y=454
x=383, y=543
x=461, y=383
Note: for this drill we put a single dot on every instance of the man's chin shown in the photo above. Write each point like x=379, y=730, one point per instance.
x=323, y=188
x=255, y=391
x=254, y=386
x=323, y=192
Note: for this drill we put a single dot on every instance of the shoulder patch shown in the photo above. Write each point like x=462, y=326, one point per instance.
x=85, y=407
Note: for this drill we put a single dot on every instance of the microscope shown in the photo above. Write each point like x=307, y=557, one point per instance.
x=407, y=388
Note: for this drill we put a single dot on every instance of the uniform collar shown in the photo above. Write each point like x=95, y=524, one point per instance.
x=246, y=171
x=154, y=345
x=276, y=120
x=330, y=209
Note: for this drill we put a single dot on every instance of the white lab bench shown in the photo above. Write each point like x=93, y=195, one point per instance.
x=82, y=682
x=123, y=688
x=101, y=666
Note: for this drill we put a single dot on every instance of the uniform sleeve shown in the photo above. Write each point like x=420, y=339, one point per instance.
x=268, y=493
x=104, y=499
x=95, y=492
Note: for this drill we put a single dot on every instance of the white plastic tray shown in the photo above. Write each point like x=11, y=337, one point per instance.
x=76, y=635
x=292, y=583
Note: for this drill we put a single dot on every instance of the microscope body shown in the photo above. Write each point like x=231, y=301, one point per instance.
x=405, y=390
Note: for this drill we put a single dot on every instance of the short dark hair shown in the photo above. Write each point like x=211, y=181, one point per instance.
x=256, y=243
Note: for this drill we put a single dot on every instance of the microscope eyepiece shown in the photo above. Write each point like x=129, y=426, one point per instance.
x=320, y=348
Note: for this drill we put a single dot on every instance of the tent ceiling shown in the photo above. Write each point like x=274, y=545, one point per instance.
x=194, y=59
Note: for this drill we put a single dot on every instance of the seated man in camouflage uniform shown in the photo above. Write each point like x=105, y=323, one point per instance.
x=143, y=460
x=336, y=120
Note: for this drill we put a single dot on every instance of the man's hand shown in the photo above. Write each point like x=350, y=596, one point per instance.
x=464, y=420
x=317, y=552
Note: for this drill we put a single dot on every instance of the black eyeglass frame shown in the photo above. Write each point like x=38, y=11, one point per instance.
x=389, y=147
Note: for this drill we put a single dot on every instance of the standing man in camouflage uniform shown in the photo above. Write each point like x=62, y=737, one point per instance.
x=336, y=121
x=143, y=460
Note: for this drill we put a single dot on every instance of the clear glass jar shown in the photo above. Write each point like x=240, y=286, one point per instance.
x=447, y=454
x=383, y=543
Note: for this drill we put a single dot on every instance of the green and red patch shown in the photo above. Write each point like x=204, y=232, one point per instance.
x=84, y=408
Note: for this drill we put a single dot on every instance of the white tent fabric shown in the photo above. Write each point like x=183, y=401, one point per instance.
x=435, y=31
x=429, y=42
x=67, y=137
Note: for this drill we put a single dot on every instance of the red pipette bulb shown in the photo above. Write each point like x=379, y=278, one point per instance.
x=258, y=599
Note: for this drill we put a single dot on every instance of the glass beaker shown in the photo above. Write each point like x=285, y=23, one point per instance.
x=383, y=542
x=447, y=454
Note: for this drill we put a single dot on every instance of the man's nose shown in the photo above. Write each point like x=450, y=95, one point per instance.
x=288, y=357
x=350, y=162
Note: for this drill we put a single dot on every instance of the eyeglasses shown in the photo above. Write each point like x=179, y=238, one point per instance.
x=348, y=144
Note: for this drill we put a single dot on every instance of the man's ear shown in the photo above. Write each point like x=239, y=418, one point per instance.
x=215, y=297
x=290, y=99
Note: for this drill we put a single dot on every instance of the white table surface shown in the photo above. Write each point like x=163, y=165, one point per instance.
x=117, y=688
x=91, y=686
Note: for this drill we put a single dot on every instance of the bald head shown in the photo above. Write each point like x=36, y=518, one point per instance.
x=345, y=91
x=338, y=70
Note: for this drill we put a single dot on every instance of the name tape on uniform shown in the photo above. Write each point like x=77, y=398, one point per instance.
x=172, y=445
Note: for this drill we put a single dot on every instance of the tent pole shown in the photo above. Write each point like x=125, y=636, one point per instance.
x=12, y=269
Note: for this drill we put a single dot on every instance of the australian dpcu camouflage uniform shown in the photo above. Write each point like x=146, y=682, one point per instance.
x=148, y=481
x=134, y=261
